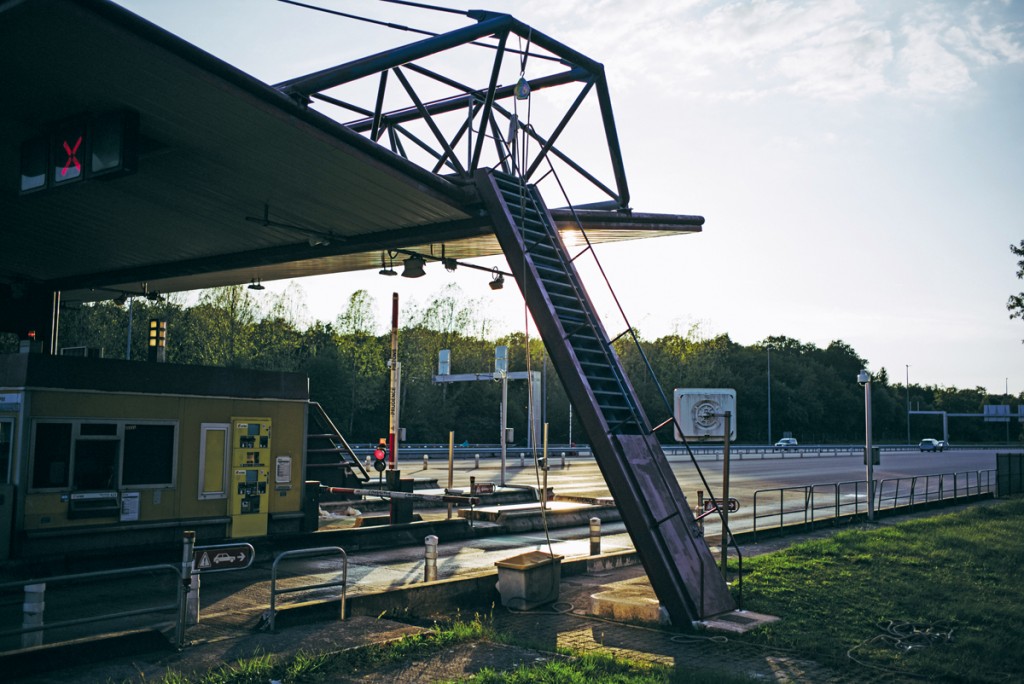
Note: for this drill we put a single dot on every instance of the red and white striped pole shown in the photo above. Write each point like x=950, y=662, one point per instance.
x=393, y=408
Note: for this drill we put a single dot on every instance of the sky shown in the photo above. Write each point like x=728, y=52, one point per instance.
x=859, y=164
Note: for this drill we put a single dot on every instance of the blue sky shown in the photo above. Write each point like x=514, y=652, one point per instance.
x=860, y=164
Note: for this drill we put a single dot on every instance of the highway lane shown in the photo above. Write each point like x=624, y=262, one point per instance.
x=748, y=474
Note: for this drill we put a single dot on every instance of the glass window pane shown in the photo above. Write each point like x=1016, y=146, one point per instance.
x=96, y=463
x=52, y=455
x=148, y=455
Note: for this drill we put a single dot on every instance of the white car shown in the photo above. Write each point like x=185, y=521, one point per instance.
x=786, y=443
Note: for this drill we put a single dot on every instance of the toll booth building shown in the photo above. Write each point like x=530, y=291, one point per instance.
x=108, y=454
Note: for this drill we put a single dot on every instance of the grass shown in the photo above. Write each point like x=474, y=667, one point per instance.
x=947, y=584
x=318, y=667
x=585, y=668
x=591, y=667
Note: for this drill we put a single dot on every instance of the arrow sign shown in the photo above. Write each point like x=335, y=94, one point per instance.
x=223, y=557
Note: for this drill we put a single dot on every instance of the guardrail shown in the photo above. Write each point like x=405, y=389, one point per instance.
x=307, y=553
x=808, y=504
x=415, y=452
x=34, y=591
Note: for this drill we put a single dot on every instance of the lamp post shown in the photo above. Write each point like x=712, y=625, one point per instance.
x=908, y=403
x=864, y=379
x=769, y=348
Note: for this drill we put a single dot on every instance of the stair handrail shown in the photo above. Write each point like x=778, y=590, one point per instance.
x=336, y=434
x=528, y=192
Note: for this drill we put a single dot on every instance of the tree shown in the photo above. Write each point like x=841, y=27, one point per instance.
x=1016, y=302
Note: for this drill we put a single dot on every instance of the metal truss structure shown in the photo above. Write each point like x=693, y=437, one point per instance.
x=452, y=128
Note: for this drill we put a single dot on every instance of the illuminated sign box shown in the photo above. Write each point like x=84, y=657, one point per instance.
x=100, y=146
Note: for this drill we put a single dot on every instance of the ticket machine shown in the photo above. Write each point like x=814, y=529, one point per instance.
x=250, y=468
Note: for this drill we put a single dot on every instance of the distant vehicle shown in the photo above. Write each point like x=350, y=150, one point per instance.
x=929, y=444
x=786, y=443
x=943, y=445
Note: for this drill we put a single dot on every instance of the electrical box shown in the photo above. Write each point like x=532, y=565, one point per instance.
x=250, y=471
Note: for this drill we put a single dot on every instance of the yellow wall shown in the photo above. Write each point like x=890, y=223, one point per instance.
x=45, y=510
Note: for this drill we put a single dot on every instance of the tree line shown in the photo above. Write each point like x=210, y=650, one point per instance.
x=813, y=391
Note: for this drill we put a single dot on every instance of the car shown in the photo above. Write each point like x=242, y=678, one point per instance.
x=786, y=443
x=943, y=445
x=929, y=444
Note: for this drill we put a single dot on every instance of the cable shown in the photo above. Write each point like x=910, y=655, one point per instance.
x=429, y=7
x=906, y=637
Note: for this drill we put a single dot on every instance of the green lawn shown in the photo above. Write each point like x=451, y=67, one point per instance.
x=939, y=597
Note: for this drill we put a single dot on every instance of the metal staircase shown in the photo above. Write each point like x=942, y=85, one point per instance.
x=329, y=458
x=678, y=562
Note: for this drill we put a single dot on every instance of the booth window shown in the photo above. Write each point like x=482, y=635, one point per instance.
x=6, y=444
x=52, y=455
x=96, y=464
x=106, y=455
x=148, y=455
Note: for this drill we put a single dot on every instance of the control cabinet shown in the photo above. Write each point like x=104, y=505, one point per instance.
x=250, y=469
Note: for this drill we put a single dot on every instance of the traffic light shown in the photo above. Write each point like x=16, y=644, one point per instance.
x=157, y=340
x=380, y=457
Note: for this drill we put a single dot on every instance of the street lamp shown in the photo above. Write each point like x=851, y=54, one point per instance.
x=908, y=403
x=769, y=348
x=864, y=379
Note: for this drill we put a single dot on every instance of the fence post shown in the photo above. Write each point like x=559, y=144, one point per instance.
x=595, y=536
x=430, y=559
x=192, y=601
x=32, y=608
x=187, y=553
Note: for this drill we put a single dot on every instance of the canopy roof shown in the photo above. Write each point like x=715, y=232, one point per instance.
x=236, y=179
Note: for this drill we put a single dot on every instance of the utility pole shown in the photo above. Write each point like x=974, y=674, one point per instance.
x=908, y=403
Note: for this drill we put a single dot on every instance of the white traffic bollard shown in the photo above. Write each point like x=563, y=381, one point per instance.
x=426, y=461
x=32, y=614
x=477, y=466
x=563, y=460
x=430, y=559
x=192, y=612
x=595, y=536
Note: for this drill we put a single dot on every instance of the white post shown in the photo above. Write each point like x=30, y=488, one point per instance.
x=430, y=559
x=32, y=609
x=192, y=611
x=595, y=536
x=504, y=424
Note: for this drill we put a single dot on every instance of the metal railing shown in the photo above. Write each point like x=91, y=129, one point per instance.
x=307, y=553
x=807, y=504
x=34, y=624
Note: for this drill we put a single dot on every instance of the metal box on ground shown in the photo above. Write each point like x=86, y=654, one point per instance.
x=529, y=580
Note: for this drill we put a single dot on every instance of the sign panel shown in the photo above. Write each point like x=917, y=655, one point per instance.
x=997, y=413
x=700, y=413
x=711, y=504
x=222, y=557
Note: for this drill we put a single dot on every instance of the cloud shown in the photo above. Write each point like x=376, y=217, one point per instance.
x=829, y=50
